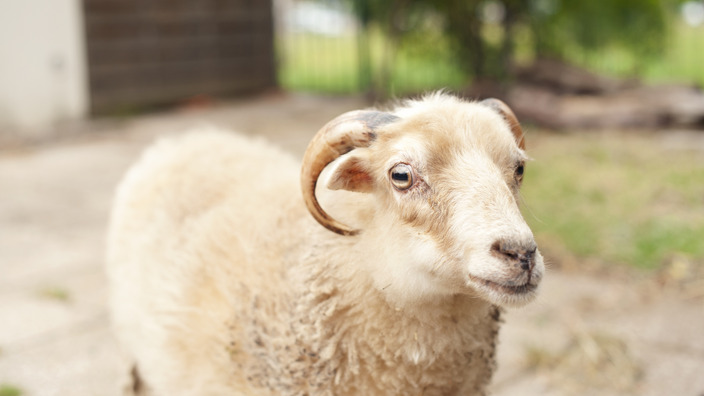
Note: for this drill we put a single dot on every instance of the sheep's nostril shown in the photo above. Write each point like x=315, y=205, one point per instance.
x=527, y=261
x=520, y=254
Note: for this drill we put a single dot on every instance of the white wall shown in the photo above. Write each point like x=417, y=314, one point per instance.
x=42, y=65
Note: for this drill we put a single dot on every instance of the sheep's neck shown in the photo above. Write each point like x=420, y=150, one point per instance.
x=353, y=332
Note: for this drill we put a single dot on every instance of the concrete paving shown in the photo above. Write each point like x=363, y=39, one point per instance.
x=54, y=333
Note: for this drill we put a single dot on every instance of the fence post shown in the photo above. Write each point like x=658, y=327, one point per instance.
x=364, y=72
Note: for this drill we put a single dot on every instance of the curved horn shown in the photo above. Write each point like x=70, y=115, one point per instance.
x=337, y=137
x=510, y=118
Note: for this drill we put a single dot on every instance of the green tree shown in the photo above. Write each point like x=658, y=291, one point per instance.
x=557, y=27
x=638, y=26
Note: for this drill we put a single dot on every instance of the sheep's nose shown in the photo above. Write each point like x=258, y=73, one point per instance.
x=520, y=254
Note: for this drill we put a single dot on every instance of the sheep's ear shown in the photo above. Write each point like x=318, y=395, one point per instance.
x=506, y=112
x=351, y=174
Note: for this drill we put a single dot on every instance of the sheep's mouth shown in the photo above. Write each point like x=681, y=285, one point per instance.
x=507, y=288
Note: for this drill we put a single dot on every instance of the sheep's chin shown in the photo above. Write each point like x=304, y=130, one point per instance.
x=503, y=295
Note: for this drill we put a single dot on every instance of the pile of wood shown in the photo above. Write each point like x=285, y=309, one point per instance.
x=557, y=95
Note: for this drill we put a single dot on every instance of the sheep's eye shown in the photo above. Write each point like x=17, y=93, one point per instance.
x=401, y=176
x=519, y=172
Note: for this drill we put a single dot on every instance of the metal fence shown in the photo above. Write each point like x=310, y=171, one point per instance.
x=323, y=47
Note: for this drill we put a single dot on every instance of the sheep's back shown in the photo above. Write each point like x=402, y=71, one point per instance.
x=197, y=224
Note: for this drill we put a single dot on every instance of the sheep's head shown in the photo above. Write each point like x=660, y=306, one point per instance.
x=445, y=176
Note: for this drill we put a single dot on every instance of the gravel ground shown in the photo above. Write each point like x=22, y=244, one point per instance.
x=588, y=334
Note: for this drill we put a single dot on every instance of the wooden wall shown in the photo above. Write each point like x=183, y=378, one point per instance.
x=146, y=53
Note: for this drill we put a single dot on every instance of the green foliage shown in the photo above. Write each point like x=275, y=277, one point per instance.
x=559, y=28
x=635, y=25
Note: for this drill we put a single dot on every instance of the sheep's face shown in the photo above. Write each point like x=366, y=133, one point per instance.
x=445, y=178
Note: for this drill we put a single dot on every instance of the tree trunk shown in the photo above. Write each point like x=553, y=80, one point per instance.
x=508, y=43
x=465, y=25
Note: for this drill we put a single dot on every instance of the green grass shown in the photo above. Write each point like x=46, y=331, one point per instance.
x=55, y=293
x=10, y=390
x=616, y=198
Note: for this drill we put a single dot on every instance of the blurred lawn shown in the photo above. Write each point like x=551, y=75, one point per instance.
x=618, y=198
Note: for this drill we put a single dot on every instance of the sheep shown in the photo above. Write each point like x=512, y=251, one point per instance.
x=226, y=281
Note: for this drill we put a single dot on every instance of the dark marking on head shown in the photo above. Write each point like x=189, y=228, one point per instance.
x=375, y=119
x=495, y=313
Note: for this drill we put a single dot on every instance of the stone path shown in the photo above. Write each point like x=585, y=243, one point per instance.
x=586, y=335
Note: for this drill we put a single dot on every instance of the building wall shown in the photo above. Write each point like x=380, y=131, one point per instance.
x=63, y=59
x=145, y=53
x=42, y=64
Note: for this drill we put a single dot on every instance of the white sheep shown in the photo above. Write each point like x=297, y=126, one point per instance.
x=223, y=284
